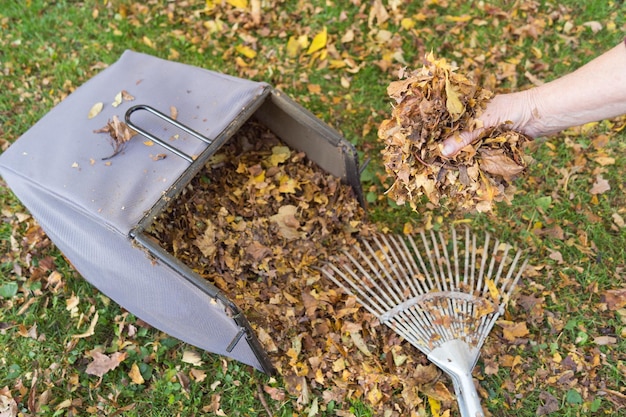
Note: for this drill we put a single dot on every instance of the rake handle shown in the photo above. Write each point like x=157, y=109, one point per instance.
x=457, y=359
x=467, y=396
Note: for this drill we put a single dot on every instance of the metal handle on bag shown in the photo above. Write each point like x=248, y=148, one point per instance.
x=168, y=119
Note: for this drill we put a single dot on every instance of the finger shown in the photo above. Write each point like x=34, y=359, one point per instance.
x=453, y=144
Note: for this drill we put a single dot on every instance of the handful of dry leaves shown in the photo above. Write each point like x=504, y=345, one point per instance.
x=432, y=104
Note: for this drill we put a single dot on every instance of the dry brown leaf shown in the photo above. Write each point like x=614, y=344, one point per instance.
x=615, y=299
x=102, y=363
x=512, y=331
x=192, y=357
x=119, y=134
x=600, y=186
x=288, y=224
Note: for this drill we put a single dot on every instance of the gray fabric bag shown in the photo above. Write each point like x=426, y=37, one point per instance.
x=94, y=212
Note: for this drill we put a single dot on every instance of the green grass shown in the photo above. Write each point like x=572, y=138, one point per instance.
x=49, y=48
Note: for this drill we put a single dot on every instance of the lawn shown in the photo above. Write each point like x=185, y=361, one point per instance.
x=559, y=350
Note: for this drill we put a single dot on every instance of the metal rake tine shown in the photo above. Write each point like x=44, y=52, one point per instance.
x=446, y=261
x=455, y=249
x=425, y=326
x=473, y=266
x=467, y=255
x=485, y=255
x=388, y=302
x=492, y=263
x=413, y=321
x=512, y=268
x=431, y=260
x=373, y=308
x=511, y=288
x=412, y=270
x=409, y=335
x=503, y=261
x=438, y=259
x=422, y=264
x=389, y=292
x=402, y=273
x=376, y=271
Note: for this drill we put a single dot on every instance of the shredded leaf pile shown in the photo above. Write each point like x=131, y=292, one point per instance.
x=257, y=222
x=435, y=103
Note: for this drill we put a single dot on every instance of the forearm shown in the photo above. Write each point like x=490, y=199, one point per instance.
x=596, y=91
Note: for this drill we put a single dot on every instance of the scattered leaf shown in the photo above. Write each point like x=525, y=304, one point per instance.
x=600, y=186
x=102, y=363
x=192, y=357
x=95, y=110
x=135, y=375
x=319, y=42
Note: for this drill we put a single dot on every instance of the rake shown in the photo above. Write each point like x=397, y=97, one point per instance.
x=442, y=296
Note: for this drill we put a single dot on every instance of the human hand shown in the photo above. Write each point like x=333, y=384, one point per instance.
x=517, y=110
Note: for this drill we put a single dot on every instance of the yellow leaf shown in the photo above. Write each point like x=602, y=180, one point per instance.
x=512, y=331
x=246, y=51
x=240, y=4
x=146, y=40
x=407, y=23
x=148, y=143
x=240, y=62
x=197, y=375
x=336, y=63
x=459, y=19
x=91, y=330
x=314, y=88
x=319, y=42
x=135, y=374
x=493, y=290
x=288, y=185
x=279, y=155
x=374, y=395
x=453, y=103
x=95, y=110
x=174, y=54
x=293, y=47
x=118, y=99
x=435, y=407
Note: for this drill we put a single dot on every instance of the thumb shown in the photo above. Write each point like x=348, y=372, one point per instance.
x=453, y=144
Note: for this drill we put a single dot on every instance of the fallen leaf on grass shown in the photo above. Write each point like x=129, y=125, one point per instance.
x=197, y=375
x=91, y=330
x=135, y=375
x=104, y=363
x=192, y=357
x=8, y=406
x=600, y=186
x=605, y=340
x=512, y=331
x=550, y=404
x=618, y=220
x=615, y=299
x=319, y=42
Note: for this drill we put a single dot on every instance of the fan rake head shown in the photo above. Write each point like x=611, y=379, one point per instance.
x=442, y=295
